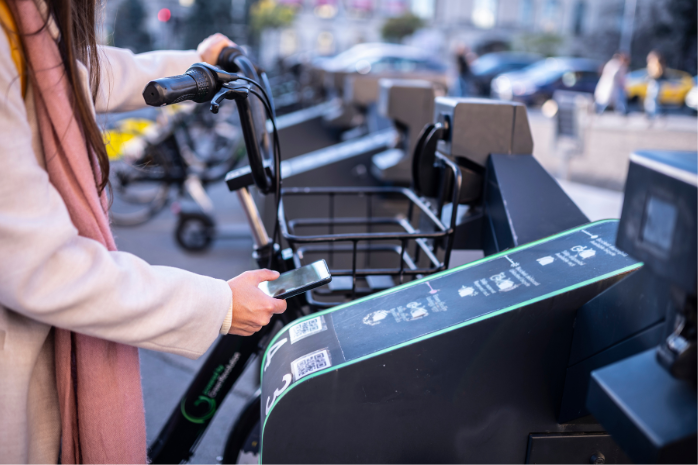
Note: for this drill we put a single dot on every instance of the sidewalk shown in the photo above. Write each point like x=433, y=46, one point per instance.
x=595, y=202
x=609, y=141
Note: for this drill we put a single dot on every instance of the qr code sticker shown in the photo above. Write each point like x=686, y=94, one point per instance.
x=307, y=328
x=310, y=363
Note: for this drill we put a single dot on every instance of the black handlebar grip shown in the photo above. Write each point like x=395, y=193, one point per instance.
x=170, y=90
x=226, y=59
x=198, y=84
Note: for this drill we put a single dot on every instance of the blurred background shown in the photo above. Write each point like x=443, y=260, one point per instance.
x=488, y=48
x=601, y=79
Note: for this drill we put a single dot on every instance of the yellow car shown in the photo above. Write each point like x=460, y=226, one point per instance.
x=672, y=91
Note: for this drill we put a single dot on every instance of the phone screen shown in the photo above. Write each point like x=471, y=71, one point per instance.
x=297, y=281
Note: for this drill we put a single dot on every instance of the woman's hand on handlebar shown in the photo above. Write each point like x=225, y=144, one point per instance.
x=252, y=308
x=211, y=47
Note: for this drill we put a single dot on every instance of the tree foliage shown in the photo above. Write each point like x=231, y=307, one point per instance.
x=670, y=27
x=665, y=25
x=397, y=28
x=268, y=14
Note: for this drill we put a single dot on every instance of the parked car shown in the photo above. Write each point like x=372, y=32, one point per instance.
x=491, y=65
x=377, y=57
x=536, y=84
x=672, y=91
x=388, y=60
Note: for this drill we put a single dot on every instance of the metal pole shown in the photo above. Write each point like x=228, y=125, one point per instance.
x=259, y=233
x=626, y=36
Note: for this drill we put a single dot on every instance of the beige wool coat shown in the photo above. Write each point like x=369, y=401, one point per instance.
x=50, y=276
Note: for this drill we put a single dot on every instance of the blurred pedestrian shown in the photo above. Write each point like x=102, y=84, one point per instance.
x=73, y=309
x=656, y=70
x=463, y=59
x=610, y=91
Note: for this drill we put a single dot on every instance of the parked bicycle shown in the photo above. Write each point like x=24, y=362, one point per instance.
x=400, y=237
x=153, y=163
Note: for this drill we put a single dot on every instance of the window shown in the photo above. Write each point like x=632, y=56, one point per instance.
x=423, y=8
x=579, y=13
x=485, y=13
x=392, y=8
x=325, y=43
x=326, y=8
x=358, y=8
x=527, y=13
x=551, y=15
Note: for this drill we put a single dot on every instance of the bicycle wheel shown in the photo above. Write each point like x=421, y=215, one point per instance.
x=195, y=231
x=140, y=189
x=243, y=444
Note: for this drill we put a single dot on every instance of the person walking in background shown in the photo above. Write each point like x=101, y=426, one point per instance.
x=656, y=68
x=611, y=87
x=464, y=74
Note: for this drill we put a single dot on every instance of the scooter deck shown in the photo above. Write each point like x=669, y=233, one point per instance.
x=460, y=366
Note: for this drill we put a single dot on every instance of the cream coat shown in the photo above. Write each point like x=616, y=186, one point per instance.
x=50, y=276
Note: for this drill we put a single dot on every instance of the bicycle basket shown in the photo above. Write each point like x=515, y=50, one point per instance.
x=383, y=237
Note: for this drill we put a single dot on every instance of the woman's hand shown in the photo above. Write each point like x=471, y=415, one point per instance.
x=211, y=47
x=252, y=308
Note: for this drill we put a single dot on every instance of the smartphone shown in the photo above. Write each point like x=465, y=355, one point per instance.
x=297, y=281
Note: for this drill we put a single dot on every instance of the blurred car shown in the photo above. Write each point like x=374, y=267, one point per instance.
x=536, y=84
x=692, y=96
x=389, y=60
x=491, y=65
x=672, y=91
x=376, y=57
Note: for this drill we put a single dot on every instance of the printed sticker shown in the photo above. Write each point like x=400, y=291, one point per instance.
x=310, y=363
x=307, y=328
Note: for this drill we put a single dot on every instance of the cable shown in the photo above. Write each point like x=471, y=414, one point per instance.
x=266, y=102
x=277, y=163
x=252, y=81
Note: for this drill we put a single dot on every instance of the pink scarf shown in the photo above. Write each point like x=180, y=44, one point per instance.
x=99, y=385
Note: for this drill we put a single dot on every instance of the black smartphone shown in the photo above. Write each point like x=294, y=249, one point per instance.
x=297, y=281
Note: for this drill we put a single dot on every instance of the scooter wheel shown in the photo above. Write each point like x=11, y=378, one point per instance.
x=195, y=231
x=243, y=443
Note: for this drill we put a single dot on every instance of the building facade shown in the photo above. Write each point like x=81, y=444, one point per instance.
x=588, y=28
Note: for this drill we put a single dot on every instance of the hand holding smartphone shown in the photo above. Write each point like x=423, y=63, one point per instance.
x=297, y=281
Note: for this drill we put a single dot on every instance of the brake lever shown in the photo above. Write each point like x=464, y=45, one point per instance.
x=240, y=93
x=229, y=93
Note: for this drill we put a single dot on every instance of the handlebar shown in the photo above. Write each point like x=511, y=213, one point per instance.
x=199, y=84
x=206, y=83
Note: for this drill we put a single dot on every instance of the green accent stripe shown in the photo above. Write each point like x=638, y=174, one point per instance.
x=442, y=331
x=419, y=281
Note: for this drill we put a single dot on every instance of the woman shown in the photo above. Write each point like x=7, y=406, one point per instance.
x=656, y=69
x=610, y=89
x=72, y=309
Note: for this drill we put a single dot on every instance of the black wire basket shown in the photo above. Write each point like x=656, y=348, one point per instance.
x=384, y=236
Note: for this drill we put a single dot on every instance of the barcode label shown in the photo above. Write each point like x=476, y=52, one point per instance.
x=307, y=328
x=310, y=363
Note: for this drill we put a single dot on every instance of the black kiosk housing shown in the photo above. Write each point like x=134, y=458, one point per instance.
x=475, y=364
x=647, y=401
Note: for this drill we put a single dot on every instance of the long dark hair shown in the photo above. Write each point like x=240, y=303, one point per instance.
x=76, y=21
